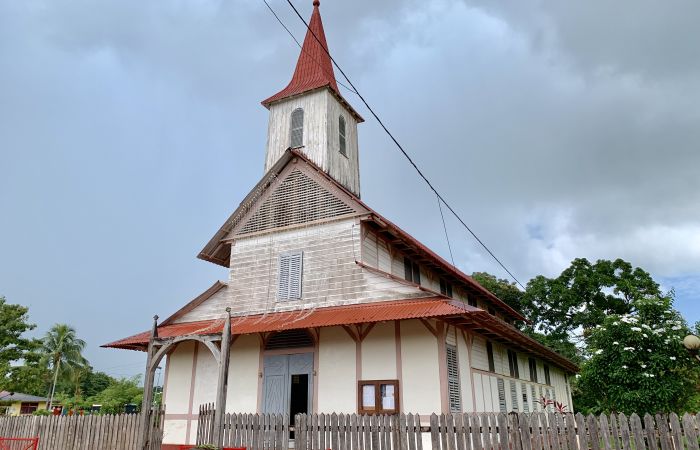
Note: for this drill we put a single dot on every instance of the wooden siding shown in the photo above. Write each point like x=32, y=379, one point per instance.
x=321, y=112
x=331, y=276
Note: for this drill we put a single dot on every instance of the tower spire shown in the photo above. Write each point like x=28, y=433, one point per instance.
x=314, y=67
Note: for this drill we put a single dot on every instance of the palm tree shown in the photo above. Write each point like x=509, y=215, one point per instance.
x=62, y=347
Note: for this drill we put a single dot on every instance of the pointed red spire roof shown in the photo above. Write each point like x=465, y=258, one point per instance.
x=314, y=68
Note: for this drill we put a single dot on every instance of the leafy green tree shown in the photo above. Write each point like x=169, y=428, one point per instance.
x=64, y=349
x=638, y=363
x=119, y=393
x=14, y=322
x=503, y=289
x=584, y=295
x=33, y=376
x=95, y=382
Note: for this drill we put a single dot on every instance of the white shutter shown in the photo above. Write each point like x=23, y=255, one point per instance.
x=453, y=379
x=290, y=276
x=502, y=395
x=514, y=395
x=526, y=404
x=534, y=398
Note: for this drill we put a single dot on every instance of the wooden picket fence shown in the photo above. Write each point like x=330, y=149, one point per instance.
x=108, y=432
x=469, y=431
x=253, y=431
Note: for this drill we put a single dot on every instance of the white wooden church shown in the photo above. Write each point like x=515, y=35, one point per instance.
x=335, y=308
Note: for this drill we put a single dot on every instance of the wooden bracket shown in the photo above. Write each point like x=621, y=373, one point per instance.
x=429, y=326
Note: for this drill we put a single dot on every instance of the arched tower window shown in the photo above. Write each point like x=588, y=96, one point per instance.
x=297, y=129
x=341, y=135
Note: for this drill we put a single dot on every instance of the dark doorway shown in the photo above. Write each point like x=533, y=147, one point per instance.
x=299, y=395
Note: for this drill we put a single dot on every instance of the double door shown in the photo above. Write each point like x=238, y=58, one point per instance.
x=288, y=383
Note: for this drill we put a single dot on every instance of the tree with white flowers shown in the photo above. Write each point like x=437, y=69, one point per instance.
x=637, y=362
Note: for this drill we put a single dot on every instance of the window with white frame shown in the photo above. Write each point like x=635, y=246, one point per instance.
x=453, y=379
x=297, y=128
x=289, y=279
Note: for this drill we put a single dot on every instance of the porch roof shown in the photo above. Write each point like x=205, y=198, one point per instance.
x=449, y=310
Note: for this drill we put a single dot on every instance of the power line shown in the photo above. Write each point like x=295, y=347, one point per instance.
x=400, y=147
x=297, y=41
x=447, y=236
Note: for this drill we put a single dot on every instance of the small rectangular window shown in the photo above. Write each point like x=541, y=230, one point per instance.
x=411, y=270
x=28, y=408
x=547, y=377
x=533, y=369
x=445, y=288
x=492, y=310
x=341, y=135
x=513, y=364
x=378, y=396
x=290, y=276
x=489, y=355
x=472, y=302
x=453, y=379
x=526, y=404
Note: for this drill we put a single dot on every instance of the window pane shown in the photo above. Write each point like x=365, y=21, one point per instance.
x=387, y=393
x=297, y=128
x=368, y=396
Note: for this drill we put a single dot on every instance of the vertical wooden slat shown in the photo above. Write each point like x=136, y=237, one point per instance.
x=650, y=431
x=676, y=432
x=434, y=431
x=690, y=433
x=571, y=432
x=604, y=431
x=624, y=432
x=502, y=431
x=637, y=431
x=592, y=424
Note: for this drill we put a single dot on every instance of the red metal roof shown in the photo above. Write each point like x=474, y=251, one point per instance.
x=314, y=67
x=320, y=317
x=449, y=310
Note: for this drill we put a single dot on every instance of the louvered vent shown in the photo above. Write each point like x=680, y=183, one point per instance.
x=298, y=199
x=526, y=404
x=289, y=339
x=514, y=395
x=502, y=396
x=534, y=398
x=289, y=279
x=453, y=379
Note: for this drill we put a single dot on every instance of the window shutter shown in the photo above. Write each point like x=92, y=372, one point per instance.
x=297, y=128
x=514, y=395
x=526, y=404
x=341, y=135
x=290, y=276
x=502, y=395
x=453, y=379
x=534, y=397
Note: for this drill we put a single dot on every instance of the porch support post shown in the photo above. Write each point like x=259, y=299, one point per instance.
x=147, y=404
x=222, y=385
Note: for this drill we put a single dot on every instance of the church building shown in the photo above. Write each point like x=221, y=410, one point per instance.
x=333, y=307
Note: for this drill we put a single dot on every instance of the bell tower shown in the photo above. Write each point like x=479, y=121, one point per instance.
x=311, y=114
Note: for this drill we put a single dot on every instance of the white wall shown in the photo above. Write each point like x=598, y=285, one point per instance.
x=177, y=390
x=421, y=375
x=336, y=374
x=243, y=379
x=379, y=353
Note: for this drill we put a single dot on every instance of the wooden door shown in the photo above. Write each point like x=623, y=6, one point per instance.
x=277, y=380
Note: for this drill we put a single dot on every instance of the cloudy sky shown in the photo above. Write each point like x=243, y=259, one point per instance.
x=130, y=130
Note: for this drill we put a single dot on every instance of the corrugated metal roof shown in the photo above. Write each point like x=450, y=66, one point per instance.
x=309, y=318
x=8, y=397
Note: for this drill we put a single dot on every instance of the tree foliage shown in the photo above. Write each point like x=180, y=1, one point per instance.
x=64, y=353
x=119, y=393
x=14, y=322
x=638, y=363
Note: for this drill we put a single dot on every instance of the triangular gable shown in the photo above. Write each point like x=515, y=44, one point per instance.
x=293, y=192
x=216, y=291
x=297, y=196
